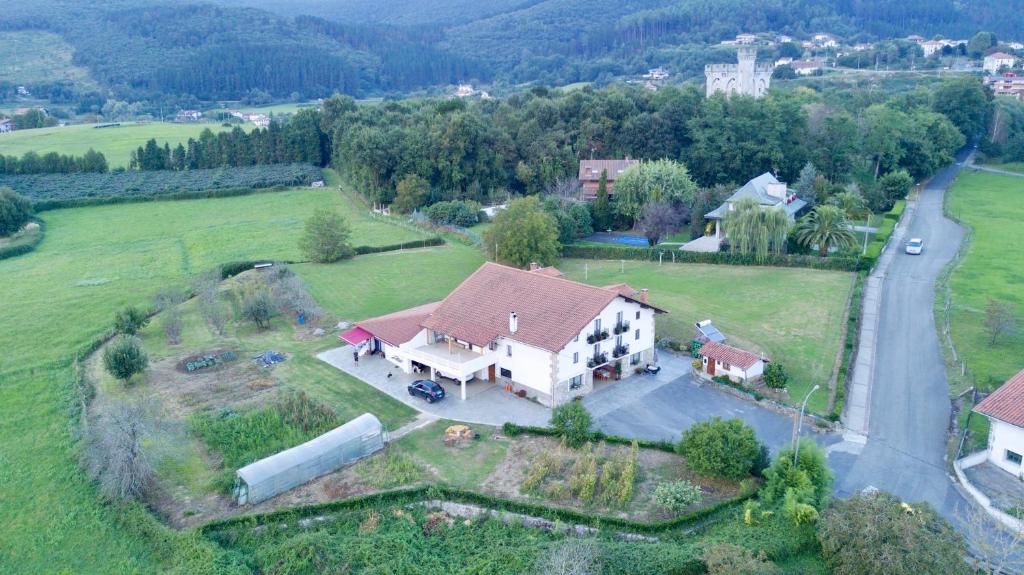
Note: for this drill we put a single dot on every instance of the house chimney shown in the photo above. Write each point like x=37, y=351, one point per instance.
x=513, y=322
x=643, y=295
x=534, y=267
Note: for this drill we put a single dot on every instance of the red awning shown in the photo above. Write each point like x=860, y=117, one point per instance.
x=355, y=336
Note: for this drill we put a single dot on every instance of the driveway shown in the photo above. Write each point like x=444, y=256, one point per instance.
x=904, y=451
x=661, y=407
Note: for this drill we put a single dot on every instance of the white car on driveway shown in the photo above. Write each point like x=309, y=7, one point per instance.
x=915, y=246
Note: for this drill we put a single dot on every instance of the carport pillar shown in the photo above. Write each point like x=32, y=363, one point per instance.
x=462, y=388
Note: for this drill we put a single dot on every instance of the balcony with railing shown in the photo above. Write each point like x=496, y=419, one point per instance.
x=597, y=360
x=621, y=327
x=598, y=335
x=620, y=350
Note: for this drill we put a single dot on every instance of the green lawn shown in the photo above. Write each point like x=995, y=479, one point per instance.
x=30, y=56
x=993, y=205
x=56, y=299
x=115, y=143
x=466, y=466
x=1009, y=166
x=795, y=316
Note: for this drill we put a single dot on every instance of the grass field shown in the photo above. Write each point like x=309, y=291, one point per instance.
x=795, y=316
x=115, y=143
x=993, y=205
x=1009, y=166
x=56, y=299
x=32, y=56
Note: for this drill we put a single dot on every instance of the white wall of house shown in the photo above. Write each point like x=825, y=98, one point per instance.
x=735, y=372
x=529, y=366
x=1002, y=438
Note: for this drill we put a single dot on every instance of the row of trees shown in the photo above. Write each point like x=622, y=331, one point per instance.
x=300, y=140
x=54, y=163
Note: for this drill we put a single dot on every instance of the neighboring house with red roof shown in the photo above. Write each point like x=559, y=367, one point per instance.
x=531, y=330
x=736, y=364
x=1004, y=409
x=590, y=175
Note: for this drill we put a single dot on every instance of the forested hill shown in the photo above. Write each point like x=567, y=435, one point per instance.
x=143, y=49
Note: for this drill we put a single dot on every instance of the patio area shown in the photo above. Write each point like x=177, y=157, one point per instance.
x=1004, y=490
x=486, y=403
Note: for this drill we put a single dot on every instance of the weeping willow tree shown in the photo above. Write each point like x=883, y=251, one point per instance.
x=752, y=229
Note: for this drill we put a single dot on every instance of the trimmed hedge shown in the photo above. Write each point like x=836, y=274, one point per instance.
x=512, y=429
x=24, y=247
x=849, y=347
x=429, y=242
x=610, y=252
x=45, y=205
x=443, y=491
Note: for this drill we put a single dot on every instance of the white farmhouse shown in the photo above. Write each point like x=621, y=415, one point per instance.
x=532, y=331
x=998, y=60
x=741, y=366
x=1004, y=409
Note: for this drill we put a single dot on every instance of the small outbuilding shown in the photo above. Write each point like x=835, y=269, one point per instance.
x=738, y=365
x=290, y=468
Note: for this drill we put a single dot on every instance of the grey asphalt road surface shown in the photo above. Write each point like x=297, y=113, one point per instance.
x=910, y=406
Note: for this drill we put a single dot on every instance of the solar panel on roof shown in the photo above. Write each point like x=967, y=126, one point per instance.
x=708, y=330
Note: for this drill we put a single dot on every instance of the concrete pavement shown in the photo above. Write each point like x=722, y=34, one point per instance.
x=906, y=410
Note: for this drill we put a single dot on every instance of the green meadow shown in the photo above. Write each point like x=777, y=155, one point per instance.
x=116, y=143
x=30, y=56
x=993, y=206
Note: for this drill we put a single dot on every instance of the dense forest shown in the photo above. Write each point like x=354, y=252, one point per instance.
x=177, y=54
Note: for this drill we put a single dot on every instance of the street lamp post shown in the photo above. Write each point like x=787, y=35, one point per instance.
x=800, y=423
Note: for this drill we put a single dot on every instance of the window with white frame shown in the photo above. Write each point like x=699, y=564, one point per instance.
x=576, y=382
x=1013, y=457
x=637, y=314
x=508, y=350
x=634, y=359
x=597, y=325
x=618, y=317
x=575, y=357
x=636, y=335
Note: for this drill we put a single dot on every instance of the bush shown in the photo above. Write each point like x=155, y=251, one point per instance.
x=130, y=320
x=572, y=422
x=124, y=358
x=390, y=469
x=15, y=211
x=876, y=533
x=722, y=448
x=258, y=306
x=810, y=481
x=304, y=554
x=116, y=454
x=326, y=237
x=775, y=376
x=611, y=252
x=730, y=559
x=675, y=496
x=454, y=213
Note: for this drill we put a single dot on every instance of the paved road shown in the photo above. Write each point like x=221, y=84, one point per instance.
x=909, y=401
x=996, y=170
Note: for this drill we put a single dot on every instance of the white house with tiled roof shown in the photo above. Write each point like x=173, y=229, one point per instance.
x=741, y=366
x=997, y=61
x=1004, y=409
x=531, y=331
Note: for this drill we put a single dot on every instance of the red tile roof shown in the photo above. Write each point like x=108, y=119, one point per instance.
x=591, y=169
x=399, y=327
x=1007, y=402
x=549, y=271
x=729, y=354
x=551, y=311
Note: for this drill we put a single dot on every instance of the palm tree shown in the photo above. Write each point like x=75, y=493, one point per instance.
x=825, y=227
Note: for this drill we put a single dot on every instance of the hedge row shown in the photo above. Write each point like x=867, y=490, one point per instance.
x=849, y=348
x=429, y=242
x=45, y=205
x=885, y=230
x=48, y=191
x=446, y=492
x=512, y=429
x=610, y=252
x=25, y=246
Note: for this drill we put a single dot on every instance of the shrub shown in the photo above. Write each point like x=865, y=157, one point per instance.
x=810, y=481
x=390, y=469
x=258, y=306
x=305, y=553
x=675, y=496
x=799, y=513
x=775, y=376
x=572, y=421
x=115, y=453
x=583, y=477
x=730, y=559
x=124, y=358
x=876, y=533
x=172, y=325
x=130, y=320
x=15, y=211
x=612, y=252
x=326, y=237
x=574, y=556
x=722, y=448
x=454, y=213
x=618, y=476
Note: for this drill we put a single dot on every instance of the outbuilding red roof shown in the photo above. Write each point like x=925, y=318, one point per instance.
x=729, y=354
x=401, y=326
x=1007, y=402
x=355, y=336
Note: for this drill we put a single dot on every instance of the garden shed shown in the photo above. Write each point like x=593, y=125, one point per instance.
x=290, y=468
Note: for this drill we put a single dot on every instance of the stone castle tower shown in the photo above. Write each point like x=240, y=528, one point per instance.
x=746, y=77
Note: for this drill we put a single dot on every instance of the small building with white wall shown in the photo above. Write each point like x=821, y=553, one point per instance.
x=741, y=366
x=1004, y=409
x=997, y=61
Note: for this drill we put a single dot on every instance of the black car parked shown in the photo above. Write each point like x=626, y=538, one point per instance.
x=427, y=389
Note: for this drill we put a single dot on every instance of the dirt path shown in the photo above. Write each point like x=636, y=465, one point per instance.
x=422, y=420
